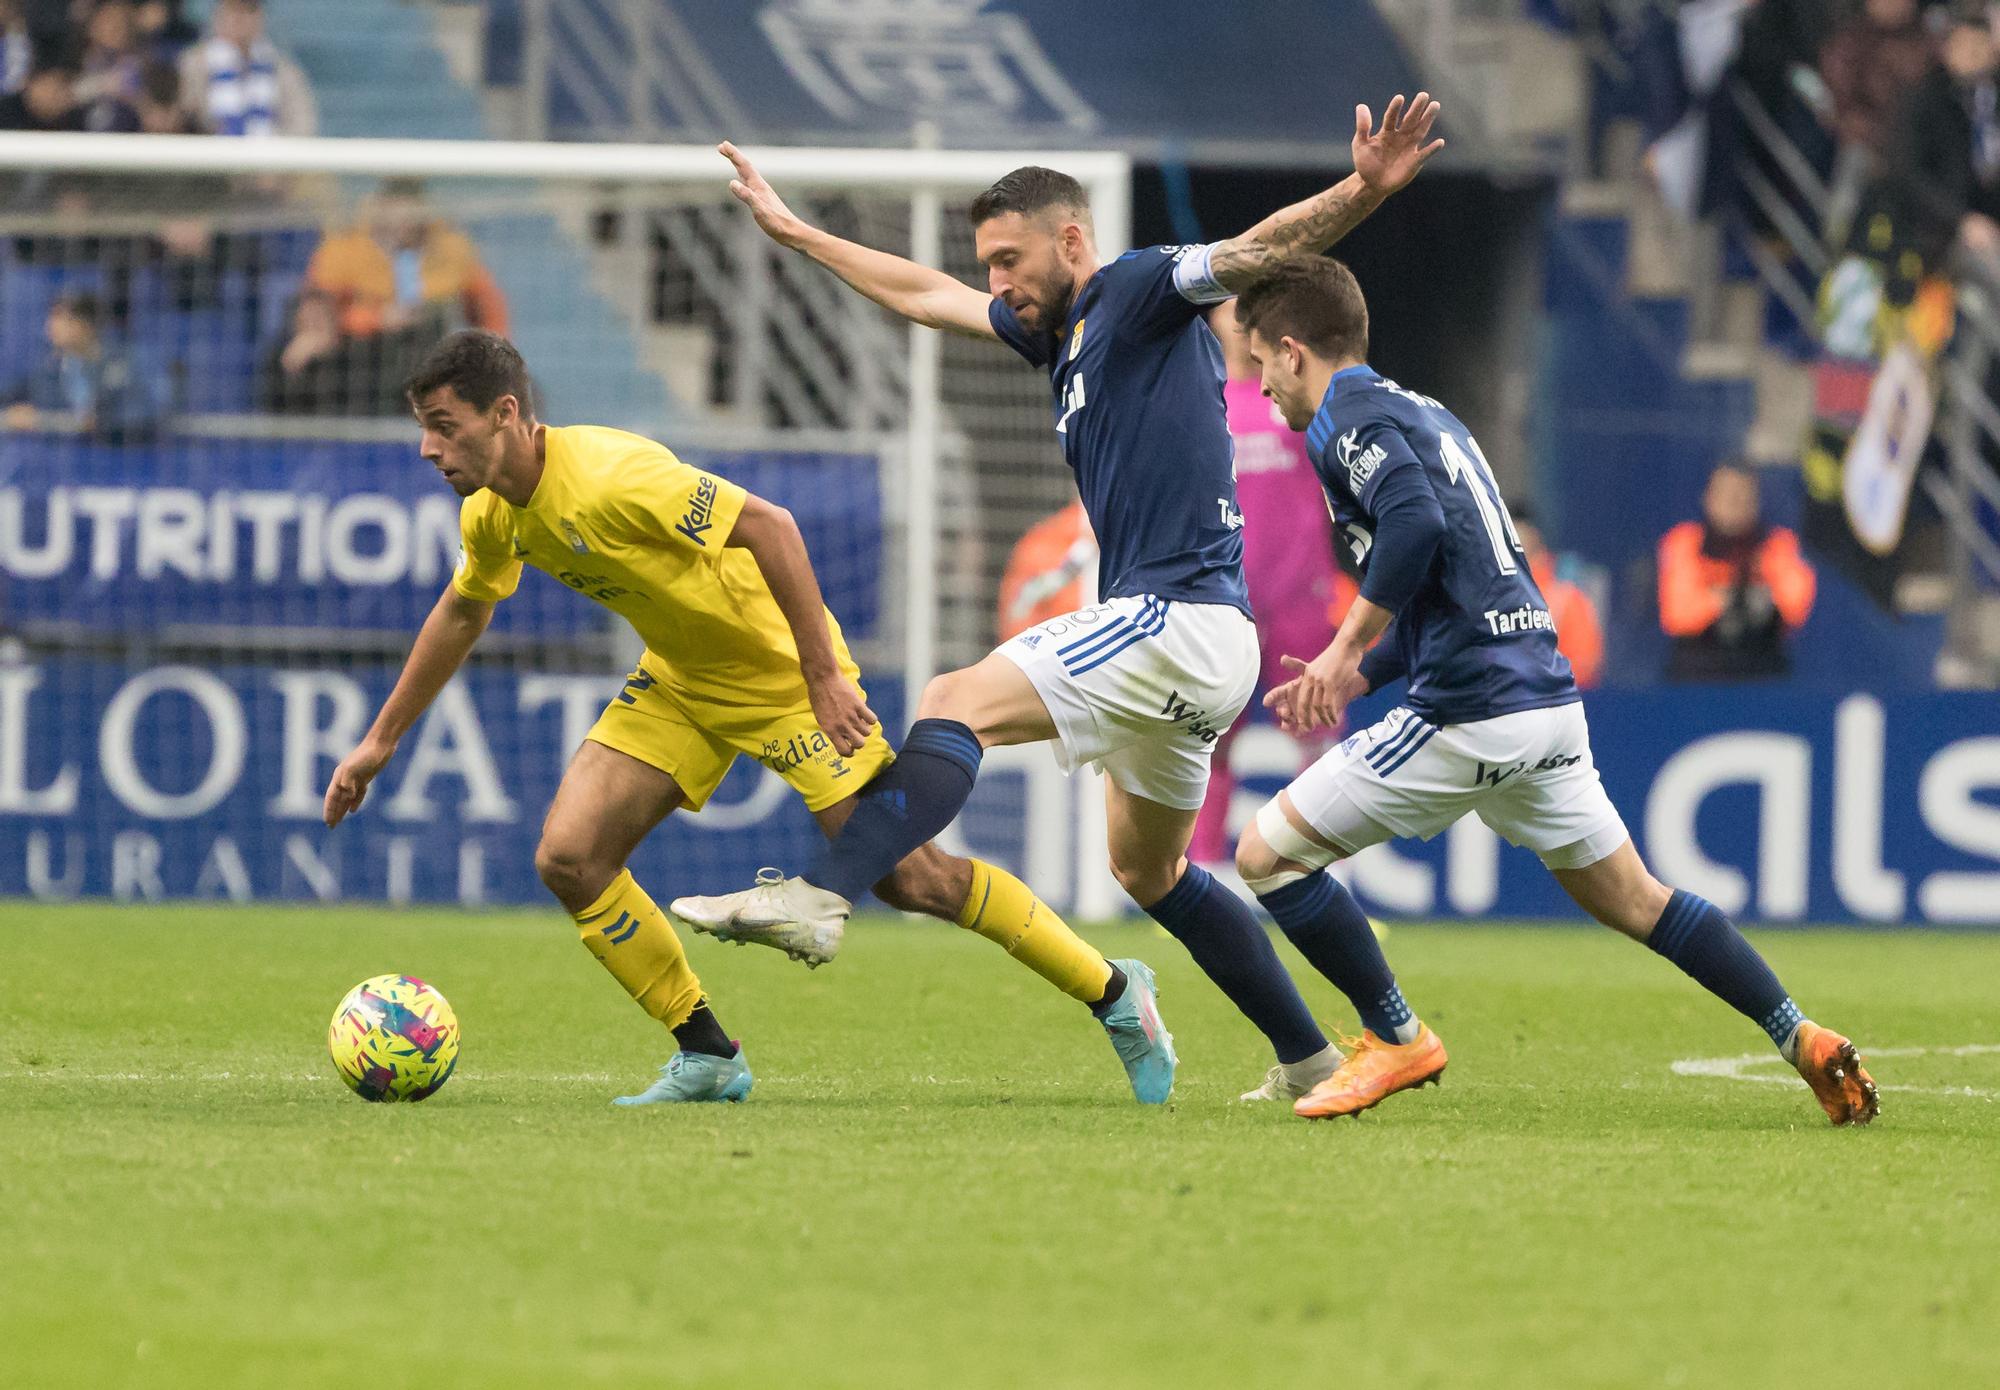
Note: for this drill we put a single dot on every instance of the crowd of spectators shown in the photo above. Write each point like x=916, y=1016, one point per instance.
x=373, y=296
x=1890, y=103
x=1851, y=150
x=376, y=295
x=141, y=66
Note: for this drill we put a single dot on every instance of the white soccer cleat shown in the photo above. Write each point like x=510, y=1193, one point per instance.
x=1288, y=1082
x=787, y=914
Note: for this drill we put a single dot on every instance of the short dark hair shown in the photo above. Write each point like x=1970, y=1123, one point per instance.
x=161, y=82
x=1029, y=190
x=480, y=366
x=1313, y=300
x=81, y=305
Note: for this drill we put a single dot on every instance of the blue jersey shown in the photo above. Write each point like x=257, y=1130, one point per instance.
x=1475, y=639
x=1138, y=401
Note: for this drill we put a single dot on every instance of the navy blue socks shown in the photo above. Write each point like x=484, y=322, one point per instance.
x=1226, y=941
x=1693, y=934
x=1321, y=918
x=908, y=802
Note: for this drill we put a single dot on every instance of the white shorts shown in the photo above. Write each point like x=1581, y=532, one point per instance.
x=1529, y=775
x=1142, y=687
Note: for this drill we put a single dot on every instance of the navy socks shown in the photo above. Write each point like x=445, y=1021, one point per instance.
x=909, y=802
x=1224, y=937
x=1694, y=934
x=1321, y=918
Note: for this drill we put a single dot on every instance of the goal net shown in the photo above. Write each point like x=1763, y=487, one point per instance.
x=217, y=539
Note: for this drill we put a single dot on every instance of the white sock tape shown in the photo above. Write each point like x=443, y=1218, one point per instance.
x=1287, y=843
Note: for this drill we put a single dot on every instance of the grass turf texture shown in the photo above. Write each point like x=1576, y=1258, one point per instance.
x=941, y=1180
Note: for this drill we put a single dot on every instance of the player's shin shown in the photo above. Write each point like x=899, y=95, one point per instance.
x=1006, y=912
x=1321, y=918
x=1287, y=872
x=1694, y=934
x=1232, y=949
x=633, y=940
x=908, y=802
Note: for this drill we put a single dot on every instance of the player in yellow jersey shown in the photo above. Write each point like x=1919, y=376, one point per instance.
x=741, y=655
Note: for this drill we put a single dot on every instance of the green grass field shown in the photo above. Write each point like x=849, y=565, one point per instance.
x=941, y=1180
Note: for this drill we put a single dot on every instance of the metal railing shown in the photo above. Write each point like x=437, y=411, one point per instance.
x=1806, y=216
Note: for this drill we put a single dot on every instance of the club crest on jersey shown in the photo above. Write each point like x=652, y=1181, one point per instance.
x=1360, y=463
x=572, y=535
x=700, y=512
x=1076, y=340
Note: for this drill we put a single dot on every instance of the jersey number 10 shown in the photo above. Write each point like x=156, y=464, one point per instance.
x=1472, y=470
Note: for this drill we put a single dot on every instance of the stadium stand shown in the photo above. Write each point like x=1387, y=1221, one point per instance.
x=1663, y=345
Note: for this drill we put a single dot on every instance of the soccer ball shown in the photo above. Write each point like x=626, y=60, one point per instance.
x=393, y=1038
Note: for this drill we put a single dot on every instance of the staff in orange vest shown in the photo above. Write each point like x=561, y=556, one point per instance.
x=1045, y=571
x=1732, y=588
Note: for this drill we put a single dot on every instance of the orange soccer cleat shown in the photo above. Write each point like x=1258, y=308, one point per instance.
x=1833, y=1069
x=1374, y=1070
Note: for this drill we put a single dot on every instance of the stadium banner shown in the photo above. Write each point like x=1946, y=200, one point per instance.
x=142, y=782
x=234, y=533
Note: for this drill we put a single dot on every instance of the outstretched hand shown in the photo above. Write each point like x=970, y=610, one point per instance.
x=1389, y=157
x=777, y=221
x=1318, y=693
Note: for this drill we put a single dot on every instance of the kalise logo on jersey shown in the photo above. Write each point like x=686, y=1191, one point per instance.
x=700, y=509
x=1360, y=463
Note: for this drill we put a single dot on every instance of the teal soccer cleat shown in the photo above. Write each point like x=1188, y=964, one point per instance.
x=696, y=1076
x=1139, y=1037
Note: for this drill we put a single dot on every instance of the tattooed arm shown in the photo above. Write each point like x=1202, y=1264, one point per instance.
x=1384, y=160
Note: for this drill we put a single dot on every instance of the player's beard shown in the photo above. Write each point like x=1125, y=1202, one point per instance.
x=1053, y=303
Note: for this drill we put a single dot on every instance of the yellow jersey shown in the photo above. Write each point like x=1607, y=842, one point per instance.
x=619, y=519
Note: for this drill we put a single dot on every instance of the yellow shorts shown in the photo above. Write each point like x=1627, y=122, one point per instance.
x=695, y=741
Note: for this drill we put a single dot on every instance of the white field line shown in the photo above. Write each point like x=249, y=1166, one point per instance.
x=1739, y=1068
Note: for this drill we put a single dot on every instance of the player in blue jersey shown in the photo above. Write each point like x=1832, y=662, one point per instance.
x=1143, y=682
x=1491, y=722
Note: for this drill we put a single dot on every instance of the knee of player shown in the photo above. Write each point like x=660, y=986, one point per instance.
x=568, y=873
x=1273, y=852
x=1640, y=906
x=1146, y=878
x=944, y=697
x=1254, y=858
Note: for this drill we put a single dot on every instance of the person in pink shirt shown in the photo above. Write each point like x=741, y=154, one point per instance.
x=1287, y=556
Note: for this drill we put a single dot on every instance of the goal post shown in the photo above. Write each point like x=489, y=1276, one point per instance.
x=643, y=299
